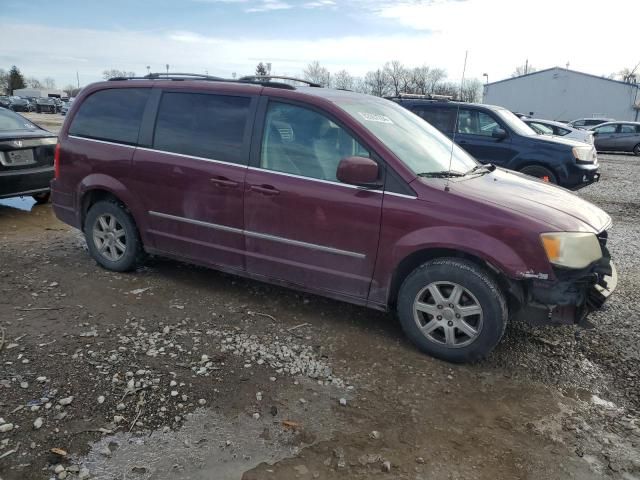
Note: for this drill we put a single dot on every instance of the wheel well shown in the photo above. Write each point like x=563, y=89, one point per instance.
x=538, y=164
x=413, y=261
x=93, y=196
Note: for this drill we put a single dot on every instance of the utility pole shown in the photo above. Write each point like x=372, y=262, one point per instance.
x=78, y=78
x=167, y=65
x=526, y=66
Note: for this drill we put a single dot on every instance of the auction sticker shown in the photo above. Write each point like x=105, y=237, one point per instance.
x=374, y=117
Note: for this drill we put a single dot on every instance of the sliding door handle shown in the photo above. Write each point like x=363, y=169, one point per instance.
x=265, y=189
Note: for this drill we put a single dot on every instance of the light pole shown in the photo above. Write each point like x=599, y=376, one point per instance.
x=148, y=69
x=167, y=65
x=486, y=75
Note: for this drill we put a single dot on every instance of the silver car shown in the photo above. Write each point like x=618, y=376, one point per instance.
x=618, y=137
x=559, y=129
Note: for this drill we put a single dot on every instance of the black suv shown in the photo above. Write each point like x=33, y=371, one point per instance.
x=495, y=135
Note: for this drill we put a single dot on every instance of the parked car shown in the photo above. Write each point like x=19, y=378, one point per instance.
x=589, y=122
x=494, y=135
x=59, y=104
x=66, y=106
x=618, y=137
x=46, y=105
x=26, y=157
x=18, y=104
x=559, y=129
x=332, y=192
x=5, y=101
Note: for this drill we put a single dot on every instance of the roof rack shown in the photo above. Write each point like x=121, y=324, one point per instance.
x=429, y=96
x=257, y=79
x=262, y=78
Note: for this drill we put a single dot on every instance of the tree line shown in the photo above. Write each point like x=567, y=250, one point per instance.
x=13, y=79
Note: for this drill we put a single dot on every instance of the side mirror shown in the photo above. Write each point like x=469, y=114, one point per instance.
x=359, y=171
x=499, y=133
x=594, y=132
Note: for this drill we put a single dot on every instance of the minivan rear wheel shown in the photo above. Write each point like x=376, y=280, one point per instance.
x=112, y=236
x=42, y=197
x=452, y=309
x=542, y=173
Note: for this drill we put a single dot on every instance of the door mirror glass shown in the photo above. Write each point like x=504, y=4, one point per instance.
x=359, y=171
x=499, y=133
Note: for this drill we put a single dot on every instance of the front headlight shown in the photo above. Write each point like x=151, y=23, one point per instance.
x=571, y=249
x=585, y=154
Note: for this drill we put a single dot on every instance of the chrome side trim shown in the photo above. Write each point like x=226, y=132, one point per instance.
x=263, y=236
x=298, y=243
x=402, y=195
x=193, y=157
x=102, y=141
x=215, y=226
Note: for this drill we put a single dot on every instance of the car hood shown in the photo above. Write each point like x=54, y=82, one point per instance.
x=559, y=140
x=559, y=208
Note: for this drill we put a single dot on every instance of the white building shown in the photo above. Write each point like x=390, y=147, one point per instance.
x=562, y=94
x=39, y=92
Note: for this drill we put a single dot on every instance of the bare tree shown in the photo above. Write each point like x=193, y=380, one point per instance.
x=435, y=76
x=628, y=75
x=49, y=82
x=420, y=80
x=4, y=81
x=447, y=88
x=397, y=75
x=378, y=83
x=69, y=89
x=471, y=91
x=360, y=86
x=113, y=73
x=343, y=80
x=261, y=69
x=33, y=82
x=318, y=74
x=523, y=70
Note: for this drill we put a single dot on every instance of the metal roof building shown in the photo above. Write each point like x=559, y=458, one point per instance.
x=562, y=94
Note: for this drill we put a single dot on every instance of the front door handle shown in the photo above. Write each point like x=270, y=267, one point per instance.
x=223, y=182
x=265, y=189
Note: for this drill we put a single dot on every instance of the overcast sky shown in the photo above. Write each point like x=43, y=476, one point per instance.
x=45, y=38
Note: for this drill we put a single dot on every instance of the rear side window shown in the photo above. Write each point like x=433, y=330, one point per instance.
x=202, y=125
x=113, y=115
x=441, y=118
x=629, y=128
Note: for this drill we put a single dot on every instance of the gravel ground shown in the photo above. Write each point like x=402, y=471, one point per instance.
x=176, y=371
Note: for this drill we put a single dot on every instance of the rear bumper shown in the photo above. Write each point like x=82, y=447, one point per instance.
x=25, y=182
x=570, y=299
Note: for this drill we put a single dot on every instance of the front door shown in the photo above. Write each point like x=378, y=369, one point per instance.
x=475, y=135
x=302, y=225
x=191, y=179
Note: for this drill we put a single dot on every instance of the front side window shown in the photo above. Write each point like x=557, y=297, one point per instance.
x=474, y=122
x=303, y=142
x=202, y=125
x=114, y=115
x=606, y=129
x=421, y=147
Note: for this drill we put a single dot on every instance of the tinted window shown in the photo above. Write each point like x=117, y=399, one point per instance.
x=113, y=115
x=606, y=129
x=629, y=129
x=561, y=131
x=474, y=122
x=303, y=142
x=541, y=128
x=202, y=125
x=441, y=118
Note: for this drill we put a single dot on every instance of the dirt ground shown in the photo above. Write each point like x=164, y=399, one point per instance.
x=176, y=371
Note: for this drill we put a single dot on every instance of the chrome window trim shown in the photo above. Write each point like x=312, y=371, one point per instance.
x=102, y=141
x=401, y=195
x=193, y=157
x=264, y=236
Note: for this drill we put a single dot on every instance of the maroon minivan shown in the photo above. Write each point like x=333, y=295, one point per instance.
x=332, y=192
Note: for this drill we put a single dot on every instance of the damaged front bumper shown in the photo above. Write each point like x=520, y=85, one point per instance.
x=572, y=296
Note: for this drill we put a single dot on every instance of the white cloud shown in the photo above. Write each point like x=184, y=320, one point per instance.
x=269, y=5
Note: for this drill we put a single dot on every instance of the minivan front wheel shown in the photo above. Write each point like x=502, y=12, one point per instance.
x=452, y=309
x=542, y=173
x=112, y=236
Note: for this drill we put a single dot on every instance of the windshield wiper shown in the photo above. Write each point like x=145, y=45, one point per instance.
x=483, y=167
x=442, y=174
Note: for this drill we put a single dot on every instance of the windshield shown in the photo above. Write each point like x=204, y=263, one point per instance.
x=12, y=121
x=417, y=144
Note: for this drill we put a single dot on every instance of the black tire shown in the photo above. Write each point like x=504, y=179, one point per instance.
x=131, y=254
x=490, y=324
x=42, y=197
x=540, y=172
x=636, y=150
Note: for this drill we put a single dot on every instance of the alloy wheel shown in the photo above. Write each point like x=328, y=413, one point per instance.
x=448, y=314
x=109, y=237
